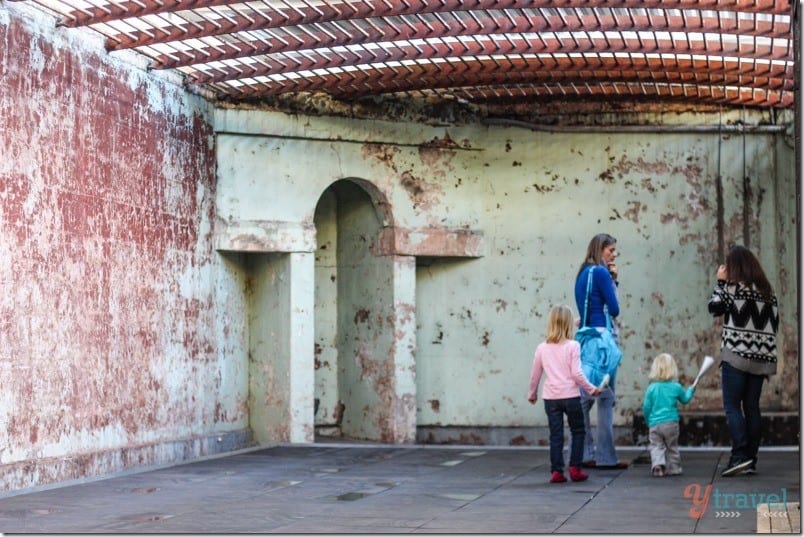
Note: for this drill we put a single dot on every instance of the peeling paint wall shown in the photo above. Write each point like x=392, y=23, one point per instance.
x=329, y=407
x=545, y=196
x=278, y=320
x=364, y=303
x=531, y=201
x=116, y=347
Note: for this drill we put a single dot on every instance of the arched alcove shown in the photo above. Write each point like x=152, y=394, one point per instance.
x=358, y=291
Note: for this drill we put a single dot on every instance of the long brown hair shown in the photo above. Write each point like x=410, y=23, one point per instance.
x=595, y=248
x=742, y=266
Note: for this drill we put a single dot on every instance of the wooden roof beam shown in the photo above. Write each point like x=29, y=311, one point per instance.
x=315, y=38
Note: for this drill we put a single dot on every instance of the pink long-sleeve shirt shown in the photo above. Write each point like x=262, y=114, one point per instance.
x=561, y=364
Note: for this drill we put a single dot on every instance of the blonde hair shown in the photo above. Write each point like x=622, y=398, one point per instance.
x=559, y=324
x=663, y=368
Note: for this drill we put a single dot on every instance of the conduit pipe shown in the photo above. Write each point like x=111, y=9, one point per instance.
x=613, y=129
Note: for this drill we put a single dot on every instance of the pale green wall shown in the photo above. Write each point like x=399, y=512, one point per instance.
x=268, y=324
x=536, y=198
x=279, y=319
x=326, y=315
x=364, y=300
x=543, y=200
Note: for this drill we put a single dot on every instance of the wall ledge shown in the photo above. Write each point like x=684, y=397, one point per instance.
x=264, y=236
x=431, y=242
x=268, y=236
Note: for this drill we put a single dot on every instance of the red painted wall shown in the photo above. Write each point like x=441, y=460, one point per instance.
x=107, y=185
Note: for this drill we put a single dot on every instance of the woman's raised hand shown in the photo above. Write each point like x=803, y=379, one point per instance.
x=613, y=271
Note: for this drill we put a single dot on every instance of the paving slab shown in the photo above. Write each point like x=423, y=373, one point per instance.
x=372, y=489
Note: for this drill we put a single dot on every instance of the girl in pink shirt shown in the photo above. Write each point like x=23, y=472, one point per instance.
x=559, y=357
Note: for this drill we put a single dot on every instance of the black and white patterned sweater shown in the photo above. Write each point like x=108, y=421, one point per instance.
x=750, y=322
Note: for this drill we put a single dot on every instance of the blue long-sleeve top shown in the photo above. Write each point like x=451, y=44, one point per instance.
x=603, y=292
x=662, y=399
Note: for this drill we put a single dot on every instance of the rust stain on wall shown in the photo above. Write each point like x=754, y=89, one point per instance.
x=469, y=439
x=405, y=313
x=413, y=185
x=634, y=208
x=424, y=195
x=361, y=316
x=382, y=153
x=437, y=154
x=542, y=189
x=607, y=176
x=627, y=166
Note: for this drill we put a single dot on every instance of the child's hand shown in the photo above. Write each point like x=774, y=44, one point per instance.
x=532, y=400
x=594, y=392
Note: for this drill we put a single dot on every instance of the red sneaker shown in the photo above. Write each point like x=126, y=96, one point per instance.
x=558, y=477
x=576, y=474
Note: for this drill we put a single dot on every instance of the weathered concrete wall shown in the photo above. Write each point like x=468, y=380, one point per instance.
x=280, y=370
x=533, y=200
x=328, y=412
x=116, y=348
x=364, y=301
x=547, y=194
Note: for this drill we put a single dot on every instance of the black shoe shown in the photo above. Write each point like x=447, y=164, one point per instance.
x=737, y=467
x=751, y=470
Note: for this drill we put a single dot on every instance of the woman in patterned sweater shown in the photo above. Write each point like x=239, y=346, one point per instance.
x=745, y=299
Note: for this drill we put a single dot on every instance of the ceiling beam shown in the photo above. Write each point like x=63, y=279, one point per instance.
x=552, y=63
x=487, y=47
x=328, y=11
x=424, y=79
x=265, y=19
x=331, y=37
x=353, y=84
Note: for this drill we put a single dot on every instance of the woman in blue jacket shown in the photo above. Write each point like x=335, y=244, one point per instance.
x=603, y=308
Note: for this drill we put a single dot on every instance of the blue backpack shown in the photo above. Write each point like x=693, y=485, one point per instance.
x=600, y=354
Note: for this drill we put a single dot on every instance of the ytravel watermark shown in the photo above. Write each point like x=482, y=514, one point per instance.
x=728, y=504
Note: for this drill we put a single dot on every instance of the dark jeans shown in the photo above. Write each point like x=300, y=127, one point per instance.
x=741, y=393
x=555, y=409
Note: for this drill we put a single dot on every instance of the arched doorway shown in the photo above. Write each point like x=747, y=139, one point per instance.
x=363, y=377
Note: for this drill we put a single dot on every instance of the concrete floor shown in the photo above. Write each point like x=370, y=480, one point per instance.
x=368, y=488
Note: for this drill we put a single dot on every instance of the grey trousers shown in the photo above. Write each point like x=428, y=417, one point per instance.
x=663, y=447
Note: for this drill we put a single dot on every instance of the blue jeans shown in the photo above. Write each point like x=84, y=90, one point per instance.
x=741, y=393
x=555, y=409
x=603, y=453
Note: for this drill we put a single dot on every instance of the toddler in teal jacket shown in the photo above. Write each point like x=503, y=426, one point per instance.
x=660, y=409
